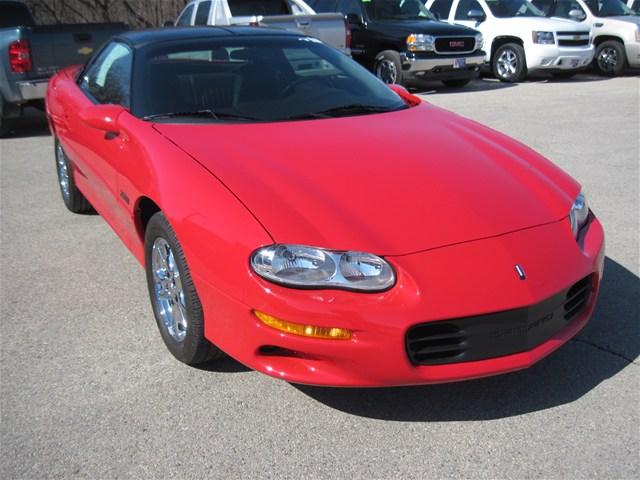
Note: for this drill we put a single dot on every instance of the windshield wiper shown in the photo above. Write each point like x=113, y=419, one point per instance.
x=343, y=110
x=200, y=113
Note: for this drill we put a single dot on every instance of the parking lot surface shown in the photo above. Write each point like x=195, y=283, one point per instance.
x=88, y=389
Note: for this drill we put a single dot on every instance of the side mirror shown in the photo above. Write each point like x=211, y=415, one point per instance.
x=354, y=19
x=576, y=14
x=476, y=15
x=168, y=23
x=409, y=98
x=103, y=117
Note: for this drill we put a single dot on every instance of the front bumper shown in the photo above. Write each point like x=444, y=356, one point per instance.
x=632, y=50
x=464, y=280
x=552, y=57
x=442, y=67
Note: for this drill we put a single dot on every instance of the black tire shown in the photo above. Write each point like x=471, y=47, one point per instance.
x=610, y=58
x=388, y=67
x=457, y=83
x=73, y=198
x=509, y=63
x=6, y=124
x=193, y=348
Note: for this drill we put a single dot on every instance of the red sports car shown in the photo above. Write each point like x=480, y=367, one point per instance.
x=293, y=211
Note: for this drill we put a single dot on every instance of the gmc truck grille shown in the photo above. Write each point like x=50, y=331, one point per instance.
x=573, y=39
x=455, y=44
x=496, y=334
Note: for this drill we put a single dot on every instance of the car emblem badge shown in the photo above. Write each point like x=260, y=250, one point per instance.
x=456, y=43
x=520, y=272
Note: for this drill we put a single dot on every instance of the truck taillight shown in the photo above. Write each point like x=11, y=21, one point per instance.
x=20, y=56
x=347, y=29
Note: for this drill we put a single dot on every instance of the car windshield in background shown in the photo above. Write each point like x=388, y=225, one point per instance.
x=513, y=8
x=397, y=10
x=249, y=79
x=608, y=8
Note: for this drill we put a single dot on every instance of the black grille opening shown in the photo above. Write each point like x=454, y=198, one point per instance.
x=435, y=343
x=577, y=298
x=455, y=44
x=573, y=43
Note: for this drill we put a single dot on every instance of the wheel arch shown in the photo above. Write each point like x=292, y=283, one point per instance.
x=503, y=40
x=144, y=209
x=600, y=39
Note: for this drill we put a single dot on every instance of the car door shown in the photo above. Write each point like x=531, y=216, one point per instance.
x=96, y=153
x=360, y=36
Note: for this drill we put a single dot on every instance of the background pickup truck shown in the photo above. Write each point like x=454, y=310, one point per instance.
x=30, y=54
x=288, y=14
x=400, y=41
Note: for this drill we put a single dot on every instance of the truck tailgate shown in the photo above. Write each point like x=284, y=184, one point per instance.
x=57, y=46
x=328, y=27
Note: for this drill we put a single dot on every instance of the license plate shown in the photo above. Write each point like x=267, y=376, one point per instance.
x=459, y=62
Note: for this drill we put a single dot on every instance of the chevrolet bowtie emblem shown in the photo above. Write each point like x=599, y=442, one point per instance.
x=85, y=51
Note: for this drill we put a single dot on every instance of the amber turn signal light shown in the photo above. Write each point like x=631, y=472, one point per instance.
x=329, y=333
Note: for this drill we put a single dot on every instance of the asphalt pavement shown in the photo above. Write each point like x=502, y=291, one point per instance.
x=88, y=390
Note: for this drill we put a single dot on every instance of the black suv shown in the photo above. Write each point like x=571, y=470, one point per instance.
x=401, y=41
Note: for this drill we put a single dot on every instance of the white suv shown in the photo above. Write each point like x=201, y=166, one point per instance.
x=615, y=29
x=518, y=37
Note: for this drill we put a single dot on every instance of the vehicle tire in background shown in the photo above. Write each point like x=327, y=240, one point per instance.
x=73, y=198
x=509, y=63
x=610, y=58
x=175, y=302
x=388, y=67
x=457, y=83
x=6, y=124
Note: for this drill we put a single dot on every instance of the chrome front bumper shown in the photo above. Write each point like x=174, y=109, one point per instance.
x=414, y=65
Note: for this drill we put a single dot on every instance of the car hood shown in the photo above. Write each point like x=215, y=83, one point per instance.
x=633, y=19
x=553, y=24
x=429, y=27
x=391, y=183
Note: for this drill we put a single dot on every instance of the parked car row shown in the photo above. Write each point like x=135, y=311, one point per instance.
x=451, y=40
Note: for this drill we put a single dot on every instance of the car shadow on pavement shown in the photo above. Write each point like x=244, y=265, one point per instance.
x=477, y=85
x=32, y=124
x=609, y=343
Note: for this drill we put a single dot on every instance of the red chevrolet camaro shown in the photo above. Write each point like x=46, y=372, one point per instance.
x=293, y=211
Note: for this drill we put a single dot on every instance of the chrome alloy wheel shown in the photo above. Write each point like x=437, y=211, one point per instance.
x=507, y=64
x=63, y=172
x=386, y=71
x=608, y=59
x=169, y=295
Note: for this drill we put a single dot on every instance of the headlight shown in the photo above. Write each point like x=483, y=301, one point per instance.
x=579, y=214
x=309, y=267
x=417, y=42
x=543, y=37
x=479, y=41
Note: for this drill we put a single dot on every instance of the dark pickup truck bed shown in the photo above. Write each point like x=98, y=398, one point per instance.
x=30, y=54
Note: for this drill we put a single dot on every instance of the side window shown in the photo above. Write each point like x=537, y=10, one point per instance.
x=350, y=6
x=563, y=7
x=185, y=19
x=108, y=80
x=202, y=14
x=442, y=8
x=544, y=5
x=462, y=12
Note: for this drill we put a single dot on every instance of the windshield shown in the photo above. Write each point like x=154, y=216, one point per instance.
x=254, y=79
x=397, y=10
x=608, y=8
x=513, y=8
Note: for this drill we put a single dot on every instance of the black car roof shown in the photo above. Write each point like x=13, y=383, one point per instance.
x=141, y=38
